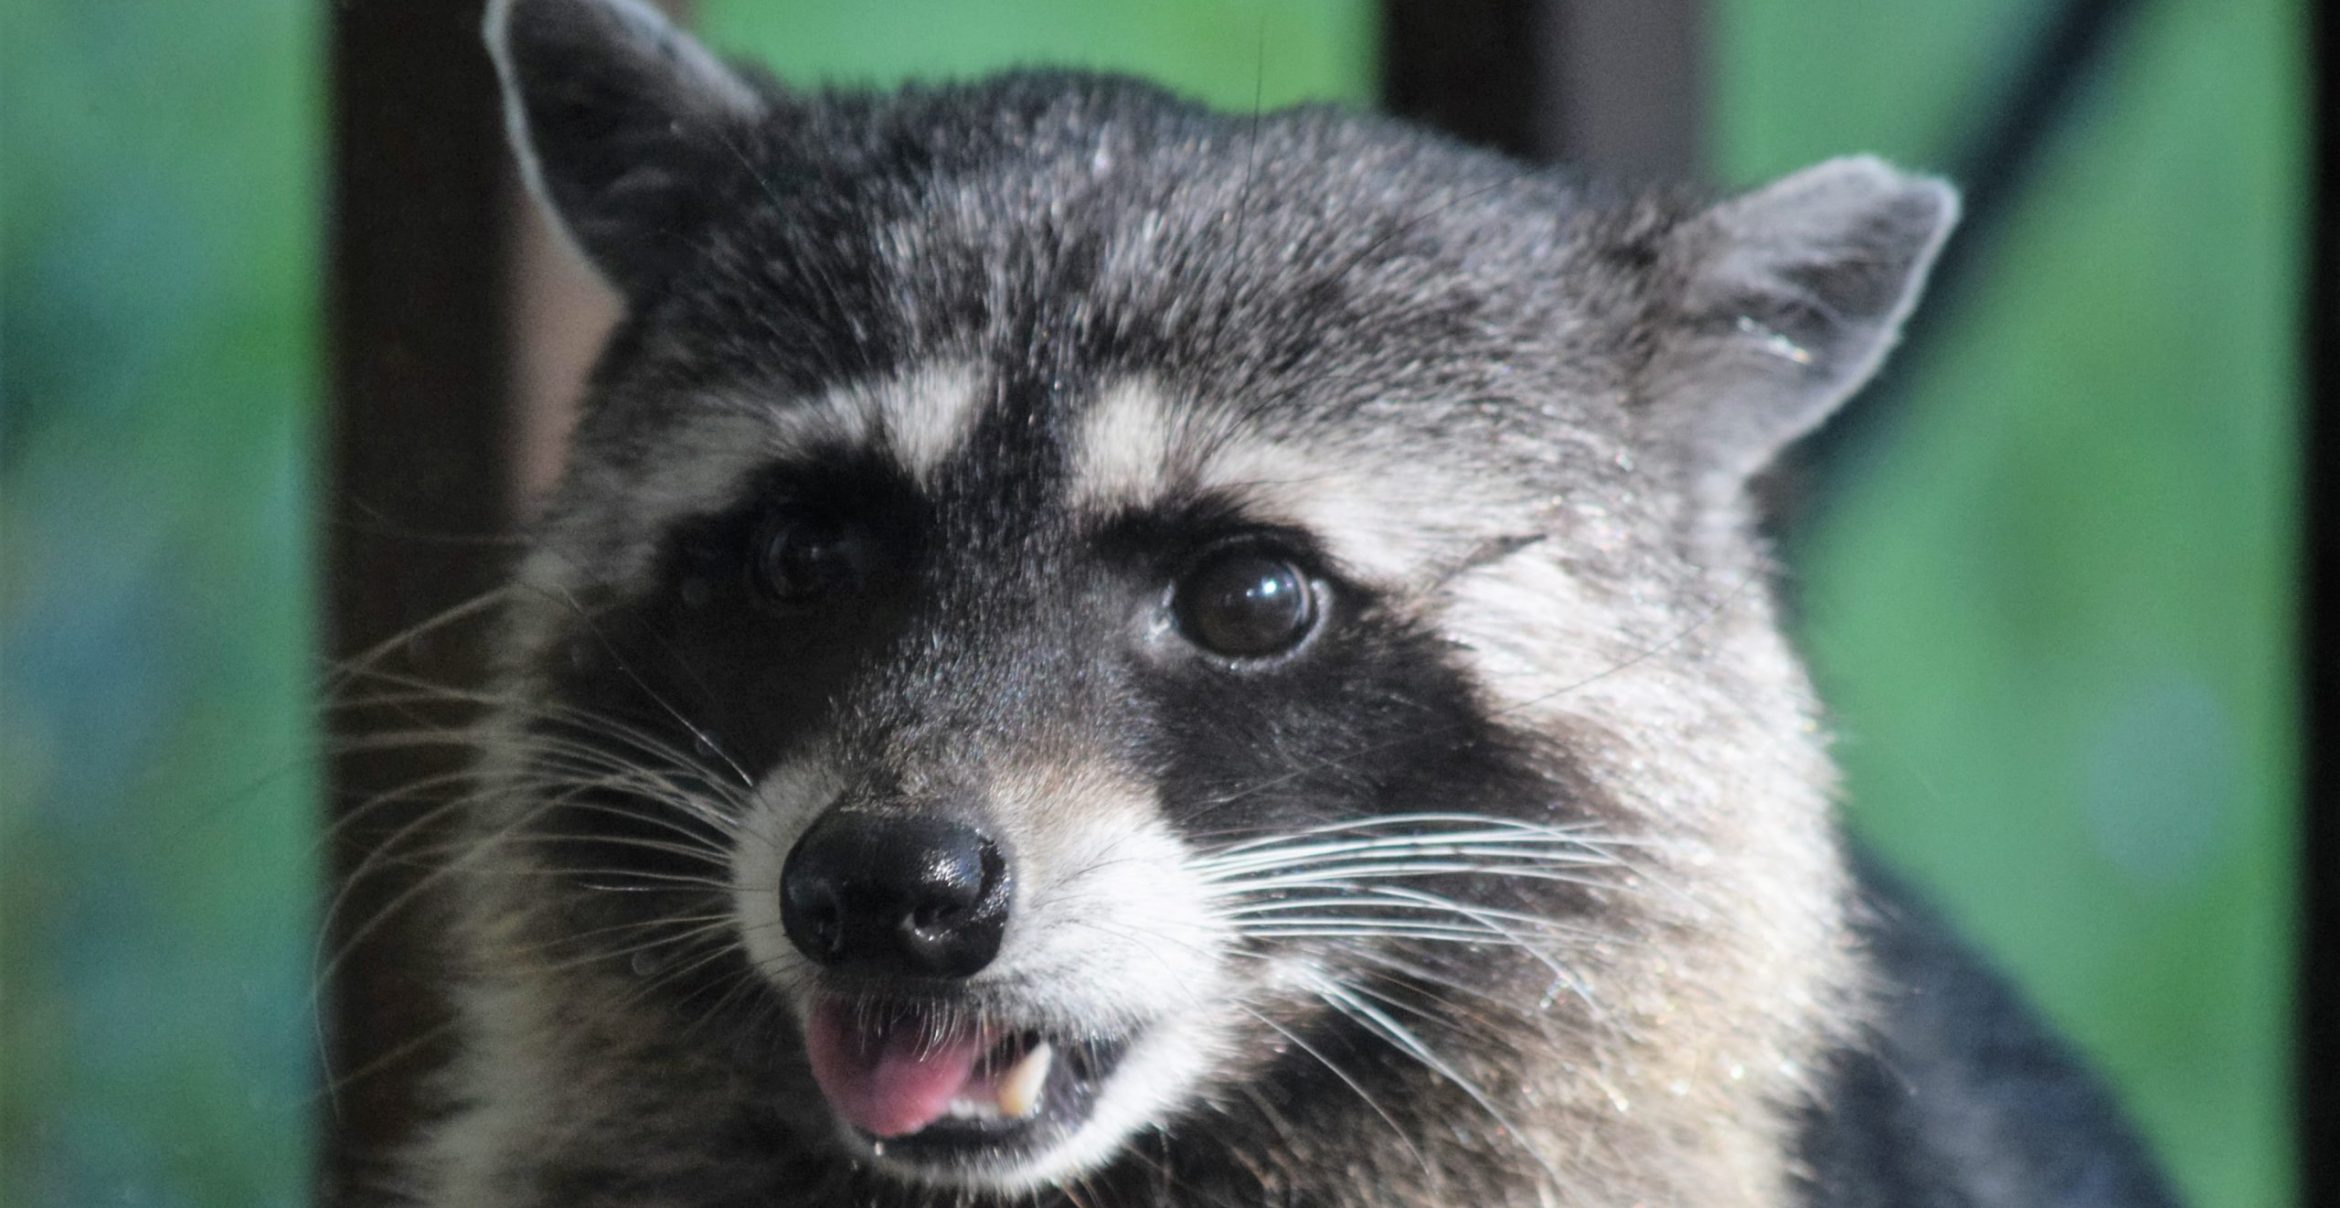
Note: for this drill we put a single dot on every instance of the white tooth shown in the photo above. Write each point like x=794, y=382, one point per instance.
x=1019, y=1091
x=970, y=1109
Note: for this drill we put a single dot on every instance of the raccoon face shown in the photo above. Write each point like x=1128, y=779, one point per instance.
x=1073, y=624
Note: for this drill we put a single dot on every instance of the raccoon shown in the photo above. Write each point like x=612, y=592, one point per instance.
x=1091, y=652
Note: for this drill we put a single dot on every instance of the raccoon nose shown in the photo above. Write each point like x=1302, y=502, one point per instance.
x=878, y=893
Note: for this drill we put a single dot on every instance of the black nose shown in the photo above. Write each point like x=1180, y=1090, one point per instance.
x=917, y=895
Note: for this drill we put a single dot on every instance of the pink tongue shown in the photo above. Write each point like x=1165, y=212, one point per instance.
x=887, y=1082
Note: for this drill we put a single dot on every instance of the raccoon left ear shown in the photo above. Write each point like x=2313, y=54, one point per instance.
x=1794, y=293
x=622, y=124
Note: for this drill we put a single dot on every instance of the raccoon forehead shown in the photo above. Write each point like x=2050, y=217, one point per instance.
x=1389, y=508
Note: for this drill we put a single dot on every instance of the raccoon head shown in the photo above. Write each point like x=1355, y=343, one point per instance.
x=1078, y=629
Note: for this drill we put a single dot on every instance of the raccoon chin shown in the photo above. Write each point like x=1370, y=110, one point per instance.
x=995, y=1100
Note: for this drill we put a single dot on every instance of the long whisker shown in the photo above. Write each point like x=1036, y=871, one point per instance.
x=658, y=698
x=1491, y=822
x=1378, y=898
x=679, y=939
x=1514, y=848
x=579, y=938
x=1379, y=1021
x=423, y=884
x=341, y=670
x=335, y=1085
x=1384, y=929
x=1405, y=1138
x=657, y=750
x=711, y=856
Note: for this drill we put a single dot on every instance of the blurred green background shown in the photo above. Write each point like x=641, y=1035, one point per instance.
x=2053, y=613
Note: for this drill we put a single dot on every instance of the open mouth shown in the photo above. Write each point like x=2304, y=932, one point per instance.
x=915, y=1084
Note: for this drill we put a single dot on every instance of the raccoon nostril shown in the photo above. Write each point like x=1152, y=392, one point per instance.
x=931, y=914
x=917, y=896
x=820, y=918
x=949, y=905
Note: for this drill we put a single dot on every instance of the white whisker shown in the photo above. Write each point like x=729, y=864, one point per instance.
x=1407, y=1042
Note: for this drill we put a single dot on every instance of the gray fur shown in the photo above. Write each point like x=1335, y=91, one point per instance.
x=1505, y=417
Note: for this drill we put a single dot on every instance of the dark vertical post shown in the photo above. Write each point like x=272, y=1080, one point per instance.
x=418, y=453
x=1628, y=84
x=1468, y=67
x=2318, y=1012
x=1614, y=85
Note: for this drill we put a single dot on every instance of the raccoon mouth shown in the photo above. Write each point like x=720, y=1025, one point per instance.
x=915, y=1088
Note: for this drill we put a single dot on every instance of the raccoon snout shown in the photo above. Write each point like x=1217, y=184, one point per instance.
x=915, y=895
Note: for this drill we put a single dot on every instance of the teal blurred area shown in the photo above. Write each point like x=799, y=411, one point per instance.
x=157, y=393
x=2052, y=611
x=1236, y=54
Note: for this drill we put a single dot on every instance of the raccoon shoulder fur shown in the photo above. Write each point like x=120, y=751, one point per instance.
x=1092, y=653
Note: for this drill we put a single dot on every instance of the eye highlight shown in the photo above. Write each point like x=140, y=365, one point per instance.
x=801, y=559
x=1245, y=603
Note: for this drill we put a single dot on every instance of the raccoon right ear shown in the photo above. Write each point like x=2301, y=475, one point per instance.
x=1791, y=295
x=621, y=122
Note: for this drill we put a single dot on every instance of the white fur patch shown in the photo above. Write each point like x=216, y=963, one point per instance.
x=788, y=801
x=1106, y=909
x=925, y=415
x=1381, y=511
x=1115, y=928
x=1133, y=447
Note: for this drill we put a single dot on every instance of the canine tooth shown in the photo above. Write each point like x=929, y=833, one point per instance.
x=1019, y=1091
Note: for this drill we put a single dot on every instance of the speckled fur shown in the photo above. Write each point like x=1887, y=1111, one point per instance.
x=1516, y=411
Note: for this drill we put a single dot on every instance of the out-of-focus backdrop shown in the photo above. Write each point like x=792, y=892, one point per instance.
x=2050, y=603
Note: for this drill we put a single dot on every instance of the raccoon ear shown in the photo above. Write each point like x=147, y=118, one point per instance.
x=1793, y=294
x=620, y=121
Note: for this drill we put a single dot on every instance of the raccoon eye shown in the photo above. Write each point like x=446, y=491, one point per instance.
x=1244, y=603
x=799, y=559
